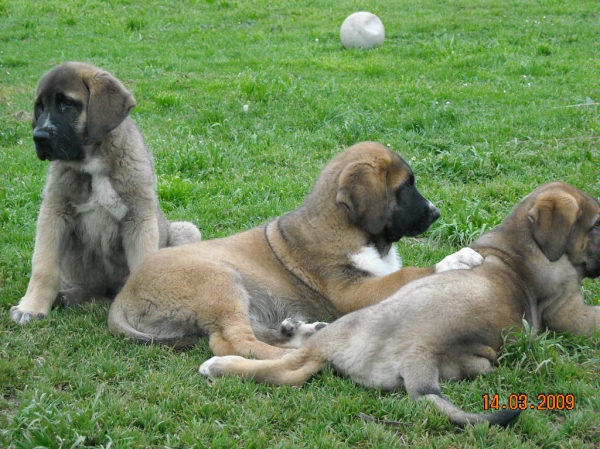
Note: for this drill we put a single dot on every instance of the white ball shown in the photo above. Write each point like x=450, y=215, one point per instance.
x=362, y=30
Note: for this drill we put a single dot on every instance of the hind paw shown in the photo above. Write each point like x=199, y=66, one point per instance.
x=298, y=332
x=218, y=366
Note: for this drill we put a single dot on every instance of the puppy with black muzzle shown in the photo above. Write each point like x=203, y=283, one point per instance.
x=334, y=254
x=100, y=216
x=451, y=325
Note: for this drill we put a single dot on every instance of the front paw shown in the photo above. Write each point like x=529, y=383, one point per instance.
x=21, y=316
x=33, y=307
x=464, y=259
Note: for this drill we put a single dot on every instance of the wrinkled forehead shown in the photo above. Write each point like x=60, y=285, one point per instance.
x=66, y=79
x=399, y=171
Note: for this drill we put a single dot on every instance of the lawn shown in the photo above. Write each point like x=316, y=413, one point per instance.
x=486, y=99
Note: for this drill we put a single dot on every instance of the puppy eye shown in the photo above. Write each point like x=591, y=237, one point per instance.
x=66, y=103
x=38, y=109
x=597, y=225
x=410, y=182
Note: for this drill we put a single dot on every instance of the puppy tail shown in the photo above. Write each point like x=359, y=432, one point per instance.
x=421, y=380
x=119, y=324
x=462, y=418
x=182, y=233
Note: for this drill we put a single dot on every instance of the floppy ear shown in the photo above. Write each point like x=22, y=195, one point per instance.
x=109, y=104
x=552, y=218
x=362, y=191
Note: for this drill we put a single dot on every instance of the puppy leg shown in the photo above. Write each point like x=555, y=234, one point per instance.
x=353, y=296
x=140, y=239
x=218, y=345
x=293, y=369
x=237, y=337
x=45, y=277
x=226, y=314
x=572, y=314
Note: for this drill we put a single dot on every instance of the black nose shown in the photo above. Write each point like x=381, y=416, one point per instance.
x=434, y=213
x=41, y=137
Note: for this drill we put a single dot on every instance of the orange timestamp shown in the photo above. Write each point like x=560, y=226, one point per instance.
x=520, y=401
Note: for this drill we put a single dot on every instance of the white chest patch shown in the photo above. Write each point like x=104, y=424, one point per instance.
x=369, y=260
x=103, y=193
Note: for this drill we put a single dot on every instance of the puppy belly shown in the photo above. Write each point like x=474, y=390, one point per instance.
x=368, y=366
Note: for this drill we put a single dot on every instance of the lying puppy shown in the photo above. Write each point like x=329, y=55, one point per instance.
x=450, y=325
x=100, y=216
x=333, y=255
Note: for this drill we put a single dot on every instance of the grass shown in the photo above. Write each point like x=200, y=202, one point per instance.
x=486, y=99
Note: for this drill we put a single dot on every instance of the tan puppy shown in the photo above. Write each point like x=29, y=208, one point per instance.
x=332, y=255
x=451, y=325
x=100, y=215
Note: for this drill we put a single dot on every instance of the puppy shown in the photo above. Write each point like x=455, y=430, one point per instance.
x=333, y=255
x=450, y=325
x=100, y=217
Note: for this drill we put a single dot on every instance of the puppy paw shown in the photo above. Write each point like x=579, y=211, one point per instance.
x=464, y=259
x=208, y=368
x=76, y=296
x=216, y=366
x=33, y=306
x=22, y=316
x=296, y=332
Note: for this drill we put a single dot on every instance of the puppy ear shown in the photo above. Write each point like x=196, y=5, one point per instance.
x=552, y=218
x=108, y=105
x=362, y=191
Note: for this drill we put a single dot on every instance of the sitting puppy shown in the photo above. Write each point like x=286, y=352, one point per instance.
x=334, y=254
x=100, y=216
x=450, y=325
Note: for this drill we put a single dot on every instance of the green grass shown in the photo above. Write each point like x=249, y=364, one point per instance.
x=486, y=99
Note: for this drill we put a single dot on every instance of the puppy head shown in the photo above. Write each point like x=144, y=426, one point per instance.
x=378, y=192
x=565, y=220
x=76, y=104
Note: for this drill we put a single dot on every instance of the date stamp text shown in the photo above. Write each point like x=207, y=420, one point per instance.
x=521, y=401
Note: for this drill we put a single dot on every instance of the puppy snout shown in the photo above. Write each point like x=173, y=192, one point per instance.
x=41, y=137
x=434, y=212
